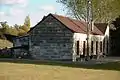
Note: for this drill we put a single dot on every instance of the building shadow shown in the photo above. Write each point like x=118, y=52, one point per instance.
x=115, y=66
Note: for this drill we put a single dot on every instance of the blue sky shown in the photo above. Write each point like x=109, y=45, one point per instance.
x=15, y=11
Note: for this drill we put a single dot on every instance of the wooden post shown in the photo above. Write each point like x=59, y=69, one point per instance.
x=89, y=25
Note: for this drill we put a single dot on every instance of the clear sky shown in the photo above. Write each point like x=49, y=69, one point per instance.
x=15, y=11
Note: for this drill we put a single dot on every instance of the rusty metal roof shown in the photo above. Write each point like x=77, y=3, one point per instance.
x=76, y=25
x=81, y=26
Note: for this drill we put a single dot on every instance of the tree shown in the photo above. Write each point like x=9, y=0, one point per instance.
x=5, y=27
x=17, y=26
x=17, y=30
x=13, y=31
x=115, y=37
x=103, y=10
x=22, y=32
x=25, y=28
x=116, y=22
x=26, y=25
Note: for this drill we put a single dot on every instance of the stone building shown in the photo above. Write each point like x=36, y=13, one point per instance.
x=20, y=45
x=57, y=37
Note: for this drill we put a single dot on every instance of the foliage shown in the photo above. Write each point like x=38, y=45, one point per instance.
x=103, y=10
x=22, y=32
x=26, y=25
x=27, y=21
x=117, y=22
x=16, y=29
x=115, y=37
x=5, y=27
x=13, y=31
x=25, y=28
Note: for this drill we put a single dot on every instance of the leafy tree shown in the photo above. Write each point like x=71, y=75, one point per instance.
x=116, y=22
x=26, y=26
x=22, y=32
x=16, y=29
x=115, y=37
x=17, y=26
x=27, y=21
x=5, y=27
x=103, y=10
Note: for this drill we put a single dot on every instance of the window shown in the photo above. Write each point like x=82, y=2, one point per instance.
x=96, y=47
x=100, y=46
x=92, y=47
x=84, y=47
x=77, y=47
x=107, y=46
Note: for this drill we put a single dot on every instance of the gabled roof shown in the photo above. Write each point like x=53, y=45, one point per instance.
x=77, y=26
x=101, y=26
x=70, y=23
x=81, y=26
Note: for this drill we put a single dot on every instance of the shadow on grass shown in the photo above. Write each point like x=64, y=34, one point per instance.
x=106, y=66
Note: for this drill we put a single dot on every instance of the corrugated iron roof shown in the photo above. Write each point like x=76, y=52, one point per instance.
x=81, y=26
x=70, y=23
x=76, y=25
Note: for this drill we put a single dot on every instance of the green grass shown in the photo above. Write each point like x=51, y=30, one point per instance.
x=44, y=70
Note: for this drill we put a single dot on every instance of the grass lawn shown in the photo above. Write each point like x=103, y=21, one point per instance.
x=31, y=70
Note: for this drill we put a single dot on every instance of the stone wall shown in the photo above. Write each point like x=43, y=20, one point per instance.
x=20, y=45
x=20, y=41
x=51, y=40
